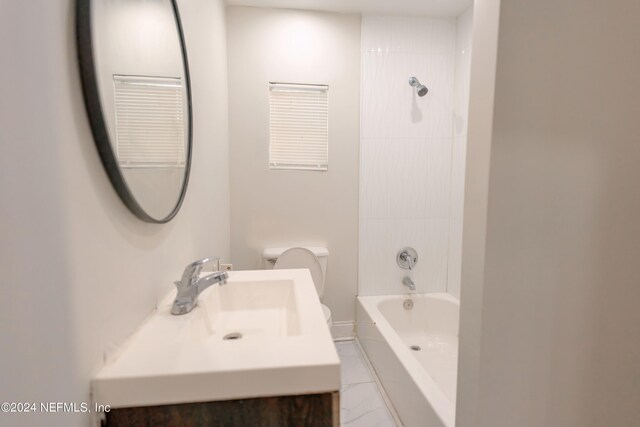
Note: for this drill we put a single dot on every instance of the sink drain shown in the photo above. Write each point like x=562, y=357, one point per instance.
x=415, y=348
x=232, y=336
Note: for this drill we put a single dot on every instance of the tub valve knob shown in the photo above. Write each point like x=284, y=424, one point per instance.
x=407, y=258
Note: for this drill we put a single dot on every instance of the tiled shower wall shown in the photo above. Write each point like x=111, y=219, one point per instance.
x=406, y=153
x=460, y=113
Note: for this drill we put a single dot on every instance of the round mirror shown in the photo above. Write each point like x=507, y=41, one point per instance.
x=135, y=79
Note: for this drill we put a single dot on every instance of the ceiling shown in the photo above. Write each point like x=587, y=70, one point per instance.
x=434, y=8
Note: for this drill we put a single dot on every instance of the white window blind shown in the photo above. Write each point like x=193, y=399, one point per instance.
x=149, y=121
x=298, y=126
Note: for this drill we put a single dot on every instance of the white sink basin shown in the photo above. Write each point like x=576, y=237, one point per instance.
x=282, y=346
x=252, y=308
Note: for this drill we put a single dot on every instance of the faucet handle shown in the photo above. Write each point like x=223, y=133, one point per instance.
x=192, y=271
x=407, y=258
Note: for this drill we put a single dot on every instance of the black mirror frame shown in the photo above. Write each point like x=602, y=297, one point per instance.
x=89, y=78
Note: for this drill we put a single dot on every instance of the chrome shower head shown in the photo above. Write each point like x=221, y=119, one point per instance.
x=420, y=88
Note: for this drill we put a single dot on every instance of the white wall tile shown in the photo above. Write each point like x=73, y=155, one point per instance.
x=383, y=238
x=374, y=257
x=458, y=160
x=407, y=151
x=459, y=153
x=373, y=178
x=438, y=184
x=455, y=257
x=406, y=177
x=462, y=72
x=436, y=255
x=391, y=108
x=408, y=34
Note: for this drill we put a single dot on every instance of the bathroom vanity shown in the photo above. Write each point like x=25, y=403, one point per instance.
x=310, y=410
x=255, y=351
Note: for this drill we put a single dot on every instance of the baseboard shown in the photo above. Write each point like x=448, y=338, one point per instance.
x=343, y=331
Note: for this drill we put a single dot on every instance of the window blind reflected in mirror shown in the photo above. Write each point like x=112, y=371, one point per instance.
x=149, y=121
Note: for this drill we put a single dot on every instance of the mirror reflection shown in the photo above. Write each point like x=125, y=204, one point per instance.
x=142, y=83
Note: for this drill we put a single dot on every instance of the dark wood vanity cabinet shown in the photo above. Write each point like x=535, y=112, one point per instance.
x=309, y=410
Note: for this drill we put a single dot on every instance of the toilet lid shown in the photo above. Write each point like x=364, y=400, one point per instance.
x=302, y=258
x=326, y=312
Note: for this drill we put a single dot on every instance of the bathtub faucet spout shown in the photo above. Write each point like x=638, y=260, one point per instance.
x=409, y=283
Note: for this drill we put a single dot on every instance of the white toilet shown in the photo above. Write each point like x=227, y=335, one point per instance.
x=313, y=258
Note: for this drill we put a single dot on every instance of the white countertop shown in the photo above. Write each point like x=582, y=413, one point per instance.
x=286, y=347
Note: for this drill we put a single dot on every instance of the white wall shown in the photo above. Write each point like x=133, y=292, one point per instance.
x=280, y=207
x=560, y=325
x=480, y=132
x=406, y=145
x=464, y=28
x=79, y=271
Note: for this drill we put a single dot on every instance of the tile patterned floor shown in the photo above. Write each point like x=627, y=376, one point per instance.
x=361, y=404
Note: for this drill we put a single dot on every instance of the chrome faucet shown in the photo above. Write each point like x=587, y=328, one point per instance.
x=192, y=285
x=409, y=283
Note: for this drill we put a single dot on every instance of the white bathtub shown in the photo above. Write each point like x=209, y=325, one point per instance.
x=421, y=384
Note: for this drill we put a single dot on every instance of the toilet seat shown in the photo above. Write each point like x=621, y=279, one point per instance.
x=303, y=258
x=327, y=314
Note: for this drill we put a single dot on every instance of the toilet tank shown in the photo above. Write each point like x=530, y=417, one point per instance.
x=270, y=255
